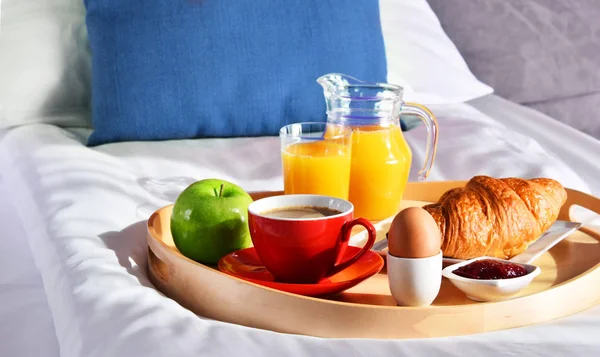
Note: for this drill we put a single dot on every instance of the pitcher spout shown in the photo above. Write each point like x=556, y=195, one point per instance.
x=337, y=83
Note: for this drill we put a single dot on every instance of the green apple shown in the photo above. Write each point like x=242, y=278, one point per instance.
x=210, y=220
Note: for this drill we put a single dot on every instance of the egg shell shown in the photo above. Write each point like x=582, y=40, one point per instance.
x=414, y=234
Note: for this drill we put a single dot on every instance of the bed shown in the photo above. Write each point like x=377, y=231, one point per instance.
x=81, y=279
x=74, y=279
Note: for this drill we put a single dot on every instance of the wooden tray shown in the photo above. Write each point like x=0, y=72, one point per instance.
x=569, y=282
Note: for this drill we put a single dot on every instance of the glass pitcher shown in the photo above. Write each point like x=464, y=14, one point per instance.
x=381, y=158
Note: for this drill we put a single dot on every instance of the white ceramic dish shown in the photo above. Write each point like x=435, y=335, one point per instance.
x=490, y=290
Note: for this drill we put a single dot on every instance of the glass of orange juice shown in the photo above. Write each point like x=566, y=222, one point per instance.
x=316, y=159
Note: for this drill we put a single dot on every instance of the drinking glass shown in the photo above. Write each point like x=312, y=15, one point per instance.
x=316, y=159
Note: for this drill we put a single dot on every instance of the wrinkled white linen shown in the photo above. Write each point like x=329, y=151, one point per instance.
x=23, y=309
x=80, y=208
x=576, y=149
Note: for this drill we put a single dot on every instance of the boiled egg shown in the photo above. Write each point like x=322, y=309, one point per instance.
x=414, y=234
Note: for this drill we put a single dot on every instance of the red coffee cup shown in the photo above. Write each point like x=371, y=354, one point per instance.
x=300, y=249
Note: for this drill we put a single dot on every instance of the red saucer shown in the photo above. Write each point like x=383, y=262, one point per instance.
x=245, y=264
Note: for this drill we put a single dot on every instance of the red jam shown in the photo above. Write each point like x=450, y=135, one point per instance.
x=486, y=269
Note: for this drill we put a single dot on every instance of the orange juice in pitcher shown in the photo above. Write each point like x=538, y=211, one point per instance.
x=379, y=171
x=381, y=158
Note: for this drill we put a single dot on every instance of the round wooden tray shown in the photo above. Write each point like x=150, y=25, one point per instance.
x=569, y=282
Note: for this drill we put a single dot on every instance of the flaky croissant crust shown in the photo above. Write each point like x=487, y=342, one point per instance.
x=496, y=217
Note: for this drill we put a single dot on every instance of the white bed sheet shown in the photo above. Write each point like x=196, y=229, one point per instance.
x=578, y=150
x=85, y=228
x=27, y=328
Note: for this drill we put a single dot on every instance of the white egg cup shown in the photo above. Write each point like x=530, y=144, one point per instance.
x=414, y=281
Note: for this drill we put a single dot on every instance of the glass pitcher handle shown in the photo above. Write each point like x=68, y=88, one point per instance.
x=432, y=133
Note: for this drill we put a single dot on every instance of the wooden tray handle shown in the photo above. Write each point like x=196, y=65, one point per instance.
x=577, y=198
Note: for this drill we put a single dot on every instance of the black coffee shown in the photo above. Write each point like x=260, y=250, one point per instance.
x=301, y=212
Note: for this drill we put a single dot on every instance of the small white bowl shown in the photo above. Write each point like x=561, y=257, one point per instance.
x=493, y=289
x=414, y=281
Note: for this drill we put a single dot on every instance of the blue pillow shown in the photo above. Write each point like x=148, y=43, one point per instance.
x=173, y=69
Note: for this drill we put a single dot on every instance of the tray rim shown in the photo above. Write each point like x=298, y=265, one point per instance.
x=592, y=273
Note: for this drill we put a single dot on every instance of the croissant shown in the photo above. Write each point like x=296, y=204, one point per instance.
x=496, y=217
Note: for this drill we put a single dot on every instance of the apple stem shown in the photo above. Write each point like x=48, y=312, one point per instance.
x=221, y=190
